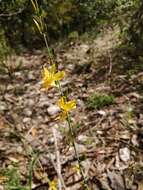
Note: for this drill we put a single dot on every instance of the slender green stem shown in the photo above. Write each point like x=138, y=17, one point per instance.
x=60, y=88
x=33, y=162
x=48, y=49
x=76, y=153
x=73, y=141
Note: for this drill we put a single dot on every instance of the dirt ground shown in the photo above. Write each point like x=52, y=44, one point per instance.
x=108, y=140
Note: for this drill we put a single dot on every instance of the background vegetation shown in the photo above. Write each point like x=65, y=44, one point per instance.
x=63, y=17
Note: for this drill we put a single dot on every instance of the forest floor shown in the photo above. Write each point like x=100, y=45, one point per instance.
x=108, y=139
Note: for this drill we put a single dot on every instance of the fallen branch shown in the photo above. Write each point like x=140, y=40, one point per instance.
x=57, y=157
x=12, y=14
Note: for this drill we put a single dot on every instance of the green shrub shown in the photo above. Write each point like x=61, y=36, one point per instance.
x=13, y=178
x=98, y=101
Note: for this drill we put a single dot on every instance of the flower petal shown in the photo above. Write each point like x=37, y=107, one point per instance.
x=45, y=72
x=49, y=77
x=66, y=106
x=59, y=75
x=61, y=102
x=71, y=104
x=62, y=116
x=53, y=69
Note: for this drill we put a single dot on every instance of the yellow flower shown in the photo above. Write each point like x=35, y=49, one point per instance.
x=53, y=185
x=62, y=116
x=49, y=77
x=66, y=106
x=76, y=168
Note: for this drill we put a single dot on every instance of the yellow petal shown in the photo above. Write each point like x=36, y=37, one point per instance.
x=49, y=77
x=53, y=185
x=48, y=83
x=45, y=72
x=76, y=168
x=59, y=75
x=66, y=106
x=61, y=102
x=53, y=69
x=63, y=115
x=71, y=104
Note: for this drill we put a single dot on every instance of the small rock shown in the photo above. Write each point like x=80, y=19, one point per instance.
x=3, y=106
x=30, y=102
x=99, y=132
x=50, y=95
x=26, y=119
x=19, y=149
x=134, y=95
x=125, y=135
x=53, y=110
x=51, y=141
x=134, y=140
x=31, y=76
x=1, y=187
x=84, y=48
x=27, y=112
x=71, y=67
x=101, y=112
x=17, y=74
x=116, y=180
x=82, y=138
x=10, y=87
x=124, y=154
x=64, y=83
x=43, y=104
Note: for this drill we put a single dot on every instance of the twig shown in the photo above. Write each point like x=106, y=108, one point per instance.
x=57, y=157
x=12, y=14
x=110, y=64
x=57, y=171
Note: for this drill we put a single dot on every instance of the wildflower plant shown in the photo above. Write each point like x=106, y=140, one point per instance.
x=51, y=78
x=52, y=185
